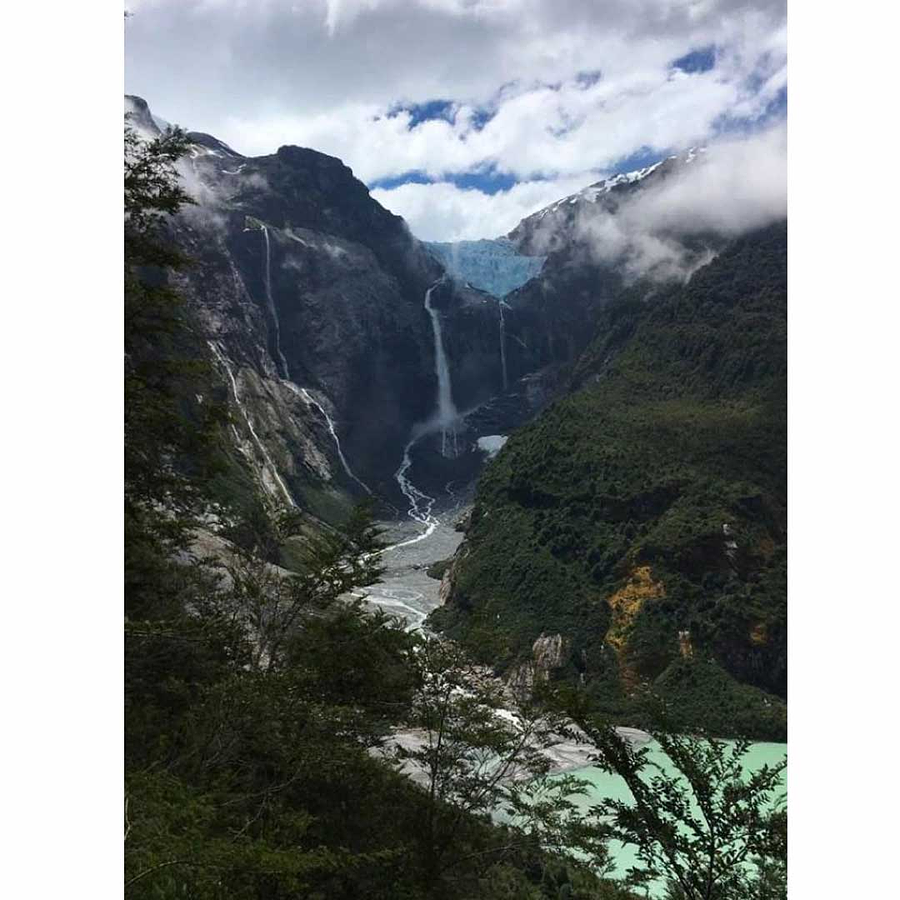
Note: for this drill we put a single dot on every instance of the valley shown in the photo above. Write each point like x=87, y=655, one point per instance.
x=551, y=463
x=362, y=363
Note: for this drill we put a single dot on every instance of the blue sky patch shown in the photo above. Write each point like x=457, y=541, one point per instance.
x=488, y=181
x=646, y=156
x=588, y=79
x=422, y=112
x=775, y=110
x=481, y=117
x=701, y=60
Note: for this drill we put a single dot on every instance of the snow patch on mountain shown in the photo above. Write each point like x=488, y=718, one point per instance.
x=594, y=191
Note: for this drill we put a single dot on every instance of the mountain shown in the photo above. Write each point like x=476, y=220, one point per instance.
x=565, y=262
x=634, y=533
x=310, y=297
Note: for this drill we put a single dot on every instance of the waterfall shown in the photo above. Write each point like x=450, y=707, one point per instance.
x=311, y=401
x=276, y=328
x=503, y=346
x=446, y=411
x=265, y=453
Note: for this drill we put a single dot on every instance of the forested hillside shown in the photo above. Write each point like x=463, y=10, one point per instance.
x=642, y=518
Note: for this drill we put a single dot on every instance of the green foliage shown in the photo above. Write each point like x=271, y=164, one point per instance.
x=162, y=427
x=256, y=763
x=712, y=832
x=669, y=454
x=437, y=569
x=480, y=750
x=699, y=690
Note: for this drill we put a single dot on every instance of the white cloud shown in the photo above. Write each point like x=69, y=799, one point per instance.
x=325, y=74
x=444, y=212
x=732, y=188
x=738, y=185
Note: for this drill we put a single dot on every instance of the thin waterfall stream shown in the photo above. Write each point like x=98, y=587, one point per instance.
x=273, y=312
x=262, y=448
x=286, y=372
x=501, y=304
x=308, y=398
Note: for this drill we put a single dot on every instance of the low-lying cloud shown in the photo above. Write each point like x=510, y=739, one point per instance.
x=732, y=187
x=445, y=212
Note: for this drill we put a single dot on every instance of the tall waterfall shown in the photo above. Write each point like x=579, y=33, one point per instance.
x=503, y=345
x=273, y=312
x=446, y=411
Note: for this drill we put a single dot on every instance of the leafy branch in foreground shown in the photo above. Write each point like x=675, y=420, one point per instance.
x=478, y=749
x=711, y=831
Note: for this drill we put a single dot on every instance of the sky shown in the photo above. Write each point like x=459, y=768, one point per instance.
x=464, y=116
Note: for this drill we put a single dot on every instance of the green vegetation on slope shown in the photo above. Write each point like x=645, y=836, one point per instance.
x=643, y=516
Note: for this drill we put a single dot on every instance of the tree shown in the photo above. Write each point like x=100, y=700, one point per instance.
x=478, y=748
x=332, y=565
x=712, y=831
x=166, y=427
x=245, y=773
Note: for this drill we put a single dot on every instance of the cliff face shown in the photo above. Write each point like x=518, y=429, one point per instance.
x=310, y=296
x=643, y=517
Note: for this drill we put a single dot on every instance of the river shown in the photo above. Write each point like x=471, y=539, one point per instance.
x=406, y=590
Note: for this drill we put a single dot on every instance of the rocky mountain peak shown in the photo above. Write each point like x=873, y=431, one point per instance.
x=140, y=116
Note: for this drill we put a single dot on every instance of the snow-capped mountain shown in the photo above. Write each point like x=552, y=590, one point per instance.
x=552, y=227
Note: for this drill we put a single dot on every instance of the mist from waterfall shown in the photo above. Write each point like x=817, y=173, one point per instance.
x=273, y=312
x=447, y=414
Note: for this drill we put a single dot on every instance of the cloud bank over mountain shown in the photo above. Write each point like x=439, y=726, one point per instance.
x=733, y=187
x=438, y=104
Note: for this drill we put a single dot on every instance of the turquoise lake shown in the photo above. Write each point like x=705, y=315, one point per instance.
x=613, y=787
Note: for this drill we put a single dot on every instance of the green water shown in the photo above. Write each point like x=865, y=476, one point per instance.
x=613, y=787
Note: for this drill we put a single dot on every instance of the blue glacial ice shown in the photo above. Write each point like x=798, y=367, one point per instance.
x=494, y=266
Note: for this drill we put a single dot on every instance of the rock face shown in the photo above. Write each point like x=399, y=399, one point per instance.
x=548, y=653
x=301, y=279
x=311, y=297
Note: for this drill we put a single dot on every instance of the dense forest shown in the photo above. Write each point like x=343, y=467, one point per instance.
x=643, y=516
x=266, y=704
